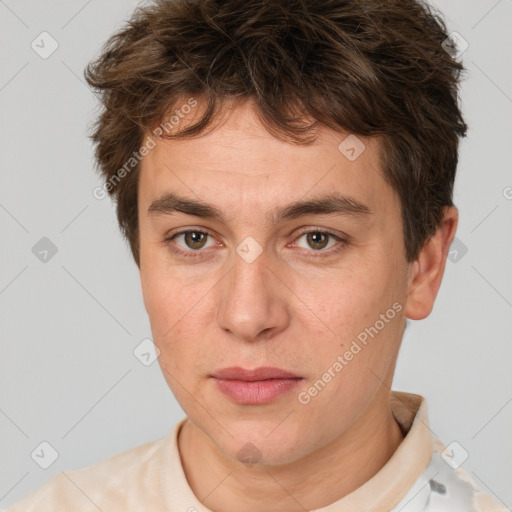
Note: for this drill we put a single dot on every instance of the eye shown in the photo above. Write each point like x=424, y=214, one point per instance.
x=193, y=239
x=319, y=241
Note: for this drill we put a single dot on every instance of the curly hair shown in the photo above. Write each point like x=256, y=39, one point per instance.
x=367, y=67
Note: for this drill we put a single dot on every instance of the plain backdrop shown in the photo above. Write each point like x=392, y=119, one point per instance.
x=68, y=374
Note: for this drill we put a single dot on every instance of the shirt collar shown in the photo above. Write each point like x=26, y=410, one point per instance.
x=382, y=492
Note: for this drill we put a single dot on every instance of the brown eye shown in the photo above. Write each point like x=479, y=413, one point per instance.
x=191, y=242
x=317, y=240
x=319, y=243
x=195, y=239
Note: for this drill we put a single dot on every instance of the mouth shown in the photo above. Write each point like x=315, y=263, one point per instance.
x=255, y=387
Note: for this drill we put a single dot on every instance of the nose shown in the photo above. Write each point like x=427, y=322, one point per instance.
x=253, y=301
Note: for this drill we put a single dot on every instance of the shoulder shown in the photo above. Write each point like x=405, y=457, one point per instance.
x=124, y=481
x=481, y=502
x=445, y=487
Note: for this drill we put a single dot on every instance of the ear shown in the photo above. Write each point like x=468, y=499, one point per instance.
x=426, y=272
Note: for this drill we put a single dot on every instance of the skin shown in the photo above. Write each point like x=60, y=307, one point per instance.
x=286, y=309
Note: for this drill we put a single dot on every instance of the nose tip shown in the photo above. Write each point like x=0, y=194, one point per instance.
x=252, y=304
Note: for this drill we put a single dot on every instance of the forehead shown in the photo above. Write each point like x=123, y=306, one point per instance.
x=239, y=166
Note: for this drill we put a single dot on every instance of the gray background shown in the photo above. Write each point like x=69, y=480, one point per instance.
x=70, y=325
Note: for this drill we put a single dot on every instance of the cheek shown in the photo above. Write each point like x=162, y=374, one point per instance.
x=170, y=307
x=351, y=312
x=173, y=320
x=168, y=295
x=346, y=301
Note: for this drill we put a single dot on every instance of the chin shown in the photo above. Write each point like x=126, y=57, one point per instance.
x=268, y=442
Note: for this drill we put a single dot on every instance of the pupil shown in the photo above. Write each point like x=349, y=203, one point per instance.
x=317, y=238
x=194, y=239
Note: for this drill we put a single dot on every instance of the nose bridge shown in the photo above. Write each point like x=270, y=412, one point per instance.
x=250, y=301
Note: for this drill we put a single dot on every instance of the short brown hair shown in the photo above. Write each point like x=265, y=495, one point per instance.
x=368, y=67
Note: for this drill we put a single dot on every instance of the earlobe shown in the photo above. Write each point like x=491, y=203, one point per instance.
x=428, y=269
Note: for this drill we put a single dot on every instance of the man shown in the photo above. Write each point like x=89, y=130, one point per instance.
x=283, y=172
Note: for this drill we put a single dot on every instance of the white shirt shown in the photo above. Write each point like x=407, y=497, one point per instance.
x=420, y=476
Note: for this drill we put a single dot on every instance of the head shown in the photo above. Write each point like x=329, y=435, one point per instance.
x=283, y=173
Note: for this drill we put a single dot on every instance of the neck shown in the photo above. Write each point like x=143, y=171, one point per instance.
x=315, y=481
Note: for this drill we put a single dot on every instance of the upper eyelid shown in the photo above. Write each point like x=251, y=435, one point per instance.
x=302, y=232
x=185, y=231
x=322, y=230
x=340, y=238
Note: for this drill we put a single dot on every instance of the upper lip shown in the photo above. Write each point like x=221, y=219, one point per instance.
x=262, y=373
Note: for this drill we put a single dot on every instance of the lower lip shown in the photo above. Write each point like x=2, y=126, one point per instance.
x=258, y=392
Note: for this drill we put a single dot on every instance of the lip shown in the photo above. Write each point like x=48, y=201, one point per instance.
x=262, y=373
x=255, y=387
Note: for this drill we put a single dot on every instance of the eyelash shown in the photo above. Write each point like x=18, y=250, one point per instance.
x=320, y=253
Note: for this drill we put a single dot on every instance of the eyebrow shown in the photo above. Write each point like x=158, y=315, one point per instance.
x=331, y=204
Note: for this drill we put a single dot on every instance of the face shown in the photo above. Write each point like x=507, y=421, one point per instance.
x=250, y=280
